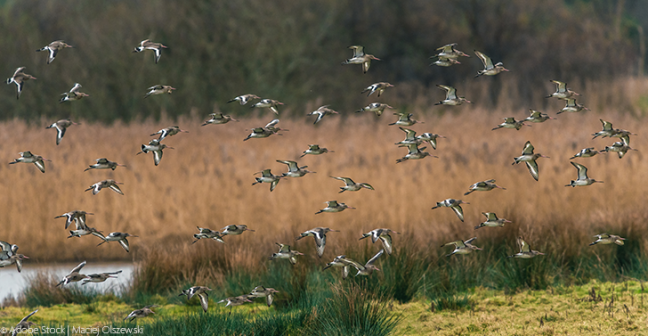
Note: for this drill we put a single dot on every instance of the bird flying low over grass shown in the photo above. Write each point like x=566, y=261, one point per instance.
x=201, y=291
x=319, y=233
x=383, y=235
x=462, y=247
x=285, y=252
x=525, y=250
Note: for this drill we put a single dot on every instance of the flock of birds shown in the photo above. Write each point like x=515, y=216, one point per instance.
x=447, y=56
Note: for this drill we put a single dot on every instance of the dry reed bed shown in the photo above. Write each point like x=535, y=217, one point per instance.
x=206, y=181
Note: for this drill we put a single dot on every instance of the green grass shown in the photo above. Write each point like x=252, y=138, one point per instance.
x=619, y=308
x=563, y=310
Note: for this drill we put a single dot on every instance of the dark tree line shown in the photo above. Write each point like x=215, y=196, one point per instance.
x=292, y=50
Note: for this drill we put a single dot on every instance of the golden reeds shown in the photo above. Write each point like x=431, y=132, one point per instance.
x=206, y=182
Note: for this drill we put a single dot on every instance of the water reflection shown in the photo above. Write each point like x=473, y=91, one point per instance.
x=13, y=283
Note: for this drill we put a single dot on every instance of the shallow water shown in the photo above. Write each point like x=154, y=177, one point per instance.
x=13, y=283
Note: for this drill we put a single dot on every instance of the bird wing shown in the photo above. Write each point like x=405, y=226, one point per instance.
x=269, y=299
x=19, y=262
x=345, y=271
x=528, y=148
x=258, y=290
x=158, y=53
x=5, y=246
x=19, y=70
x=98, y=234
x=116, y=189
x=488, y=64
x=451, y=92
x=320, y=115
x=28, y=316
x=386, y=240
x=533, y=168
x=607, y=126
x=78, y=268
x=40, y=164
x=524, y=247
x=456, y=243
x=467, y=242
x=203, y=301
x=157, y=156
x=354, y=263
x=413, y=149
x=292, y=165
x=75, y=88
x=358, y=51
x=459, y=211
x=410, y=135
x=447, y=48
x=273, y=123
x=124, y=244
x=490, y=216
x=560, y=86
x=365, y=66
x=626, y=139
x=60, y=132
x=273, y=185
x=374, y=258
x=320, y=241
x=346, y=180
x=284, y=248
x=332, y=204
x=582, y=170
